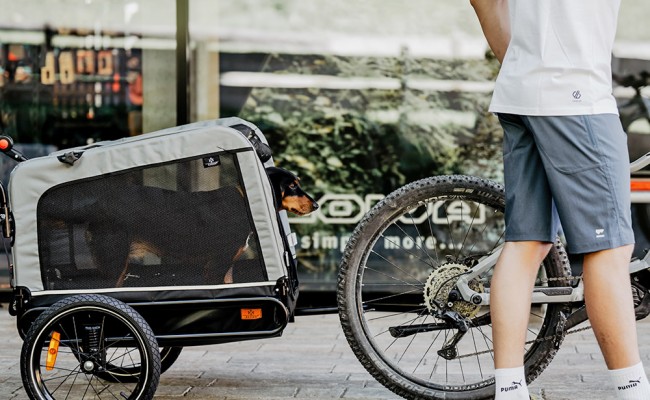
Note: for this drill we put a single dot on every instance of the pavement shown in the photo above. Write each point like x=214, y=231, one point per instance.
x=312, y=360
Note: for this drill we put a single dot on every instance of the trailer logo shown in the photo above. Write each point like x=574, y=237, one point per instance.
x=211, y=161
x=339, y=209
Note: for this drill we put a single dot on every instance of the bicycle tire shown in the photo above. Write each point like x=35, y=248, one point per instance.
x=89, y=327
x=368, y=302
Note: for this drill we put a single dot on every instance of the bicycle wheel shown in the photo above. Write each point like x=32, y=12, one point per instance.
x=81, y=337
x=400, y=265
x=123, y=370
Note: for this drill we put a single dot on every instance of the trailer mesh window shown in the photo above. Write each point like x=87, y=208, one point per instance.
x=184, y=223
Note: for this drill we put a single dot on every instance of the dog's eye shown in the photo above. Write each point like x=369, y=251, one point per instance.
x=292, y=186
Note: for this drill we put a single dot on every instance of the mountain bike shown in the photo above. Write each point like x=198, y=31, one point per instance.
x=414, y=290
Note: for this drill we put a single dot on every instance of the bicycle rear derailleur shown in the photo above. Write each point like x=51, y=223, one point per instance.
x=443, y=302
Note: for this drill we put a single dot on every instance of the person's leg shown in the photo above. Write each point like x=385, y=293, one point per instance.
x=510, y=302
x=609, y=305
x=587, y=164
x=531, y=227
x=510, y=298
x=611, y=313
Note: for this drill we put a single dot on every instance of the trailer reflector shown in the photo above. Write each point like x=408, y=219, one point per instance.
x=52, y=351
x=251, y=313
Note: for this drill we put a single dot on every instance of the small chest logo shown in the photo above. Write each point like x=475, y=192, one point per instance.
x=600, y=233
x=576, y=95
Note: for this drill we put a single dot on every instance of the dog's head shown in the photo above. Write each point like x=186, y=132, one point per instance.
x=288, y=194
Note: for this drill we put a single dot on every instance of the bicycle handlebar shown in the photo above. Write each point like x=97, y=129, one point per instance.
x=635, y=81
x=7, y=147
x=640, y=163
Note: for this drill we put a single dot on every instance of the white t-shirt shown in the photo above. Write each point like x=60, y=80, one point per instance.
x=559, y=58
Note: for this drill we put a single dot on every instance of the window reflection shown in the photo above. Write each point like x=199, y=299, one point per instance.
x=82, y=76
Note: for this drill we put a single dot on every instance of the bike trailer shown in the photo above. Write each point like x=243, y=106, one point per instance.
x=180, y=224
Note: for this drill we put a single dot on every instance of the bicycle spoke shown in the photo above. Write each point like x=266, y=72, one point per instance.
x=392, y=296
x=406, y=250
x=429, y=223
x=394, y=278
x=419, y=235
x=401, y=276
x=478, y=361
x=396, y=314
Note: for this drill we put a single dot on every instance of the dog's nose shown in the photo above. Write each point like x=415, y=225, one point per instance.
x=315, y=205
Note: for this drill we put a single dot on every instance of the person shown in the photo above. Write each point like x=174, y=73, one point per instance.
x=565, y=161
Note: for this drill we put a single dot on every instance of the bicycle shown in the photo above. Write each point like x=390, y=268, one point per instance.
x=414, y=290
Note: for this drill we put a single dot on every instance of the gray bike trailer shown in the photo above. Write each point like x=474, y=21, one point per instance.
x=180, y=224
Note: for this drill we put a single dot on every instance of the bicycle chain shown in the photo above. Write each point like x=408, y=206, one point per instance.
x=538, y=340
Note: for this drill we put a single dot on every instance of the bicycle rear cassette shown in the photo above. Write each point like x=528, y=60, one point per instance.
x=439, y=285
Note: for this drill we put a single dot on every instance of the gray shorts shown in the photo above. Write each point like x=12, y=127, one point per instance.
x=572, y=170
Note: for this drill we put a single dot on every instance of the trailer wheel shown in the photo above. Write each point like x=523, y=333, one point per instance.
x=80, y=338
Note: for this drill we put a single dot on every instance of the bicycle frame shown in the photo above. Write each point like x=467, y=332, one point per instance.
x=543, y=294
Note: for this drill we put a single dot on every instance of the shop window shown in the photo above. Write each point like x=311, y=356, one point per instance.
x=86, y=70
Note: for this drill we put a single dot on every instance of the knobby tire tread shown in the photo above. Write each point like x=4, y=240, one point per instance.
x=557, y=265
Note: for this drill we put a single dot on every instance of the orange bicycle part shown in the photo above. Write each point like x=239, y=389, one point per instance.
x=52, y=351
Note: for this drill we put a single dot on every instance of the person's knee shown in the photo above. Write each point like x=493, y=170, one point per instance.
x=531, y=250
x=532, y=246
x=623, y=253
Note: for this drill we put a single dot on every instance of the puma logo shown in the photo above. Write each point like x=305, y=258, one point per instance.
x=514, y=386
x=631, y=384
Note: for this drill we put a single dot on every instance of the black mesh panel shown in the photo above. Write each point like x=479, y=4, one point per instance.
x=179, y=224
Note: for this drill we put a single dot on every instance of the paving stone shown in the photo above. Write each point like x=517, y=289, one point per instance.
x=312, y=360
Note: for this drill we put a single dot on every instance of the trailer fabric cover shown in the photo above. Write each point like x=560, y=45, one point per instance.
x=139, y=158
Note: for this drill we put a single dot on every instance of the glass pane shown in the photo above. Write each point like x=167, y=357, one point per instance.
x=360, y=97
x=79, y=71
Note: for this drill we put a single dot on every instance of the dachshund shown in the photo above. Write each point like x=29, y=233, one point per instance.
x=227, y=241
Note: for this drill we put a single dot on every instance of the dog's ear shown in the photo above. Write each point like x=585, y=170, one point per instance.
x=276, y=174
x=273, y=173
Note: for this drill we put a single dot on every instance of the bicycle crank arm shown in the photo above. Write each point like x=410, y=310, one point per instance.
x=643, y=309
x=575, y=318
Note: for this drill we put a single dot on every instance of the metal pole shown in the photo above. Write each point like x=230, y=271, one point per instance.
x=182, y=62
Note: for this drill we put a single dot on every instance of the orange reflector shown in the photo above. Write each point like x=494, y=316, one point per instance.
x=640, y=185
x=4, y=144
x=251, y=313
x=52, y=351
